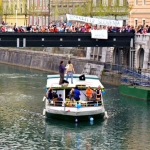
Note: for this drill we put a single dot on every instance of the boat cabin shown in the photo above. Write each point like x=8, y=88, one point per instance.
x=82, y=82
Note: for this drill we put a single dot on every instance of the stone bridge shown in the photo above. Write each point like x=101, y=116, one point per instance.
x=135, y=56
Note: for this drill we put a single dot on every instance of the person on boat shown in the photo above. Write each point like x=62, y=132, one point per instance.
x=76, y=94
x=71, y=94
x=88, y=93
x=70, y=71
x=55, y=96
x=61, y=72
x=60, y=98
x=49, y=94
x=99, y=91
x=94, y=95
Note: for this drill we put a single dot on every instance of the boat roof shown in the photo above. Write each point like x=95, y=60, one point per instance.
x=90, y=80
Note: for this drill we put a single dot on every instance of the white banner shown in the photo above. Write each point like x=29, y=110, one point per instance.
x=99, y=34
x=106, y=22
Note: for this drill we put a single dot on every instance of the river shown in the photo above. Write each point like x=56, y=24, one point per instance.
x=23, y=127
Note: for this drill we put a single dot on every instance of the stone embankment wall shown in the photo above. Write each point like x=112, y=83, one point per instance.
x=110, y=78
x=37, y=60
x=49, y=62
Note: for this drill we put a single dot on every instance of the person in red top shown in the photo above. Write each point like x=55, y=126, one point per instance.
x=3, y=29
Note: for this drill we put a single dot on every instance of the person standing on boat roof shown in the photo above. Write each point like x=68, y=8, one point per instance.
x=61, y=72
x=70, y=71
x=76, y=94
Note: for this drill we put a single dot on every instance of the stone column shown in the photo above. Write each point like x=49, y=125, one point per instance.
x=98, y=50
x=88, y=52
x=104, y=50
x=146, y=57
x=136, y=62
x=93, y=53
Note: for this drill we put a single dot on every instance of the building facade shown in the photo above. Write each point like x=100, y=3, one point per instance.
x=42, y=12
x=33, y=12
x=140, y=13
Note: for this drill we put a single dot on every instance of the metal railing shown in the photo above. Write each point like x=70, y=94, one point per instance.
x=129, y=75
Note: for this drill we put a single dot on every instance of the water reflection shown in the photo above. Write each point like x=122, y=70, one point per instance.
x=74, y=135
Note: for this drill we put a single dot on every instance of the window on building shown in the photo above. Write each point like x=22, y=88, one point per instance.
x=21, y=8
x=99, y=2
x=136, y=23
x=136, y=2
x=35, y=3
x=124, y=22
x=105, y=2
x=121, y=2
x=144, y=2
x=41, y=3
x=143, y=22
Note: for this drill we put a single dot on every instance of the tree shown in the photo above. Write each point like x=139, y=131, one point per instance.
x=113, y=8
x=1, y=10
x=104, y=8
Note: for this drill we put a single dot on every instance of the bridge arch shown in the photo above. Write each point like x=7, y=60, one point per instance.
x=140, y=57
x=117, y=56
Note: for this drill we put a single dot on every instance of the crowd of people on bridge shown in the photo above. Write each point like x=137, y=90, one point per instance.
x=75, y=27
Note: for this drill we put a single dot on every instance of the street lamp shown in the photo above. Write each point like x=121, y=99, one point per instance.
x=49, y=13
x=16, y=13
x=16, y=17
x=25, y=23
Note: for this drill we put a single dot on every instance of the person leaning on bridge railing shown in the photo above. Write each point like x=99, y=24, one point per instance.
x=82, y=27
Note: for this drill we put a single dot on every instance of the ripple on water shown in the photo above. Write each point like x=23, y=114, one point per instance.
x=22, y=126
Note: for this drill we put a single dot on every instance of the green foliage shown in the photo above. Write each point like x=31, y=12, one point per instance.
x=111, y=8
x=103, y=72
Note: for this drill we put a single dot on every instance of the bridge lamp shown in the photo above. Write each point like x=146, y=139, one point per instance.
x=16, y=17
x=16, y=13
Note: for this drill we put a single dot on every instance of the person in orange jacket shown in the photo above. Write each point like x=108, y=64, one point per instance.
x=88, y=93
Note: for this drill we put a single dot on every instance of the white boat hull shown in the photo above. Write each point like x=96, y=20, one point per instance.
x=72, y=113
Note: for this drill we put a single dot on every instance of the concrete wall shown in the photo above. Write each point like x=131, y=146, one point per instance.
x=49, y=62
x=113, y=79
x=38, y=60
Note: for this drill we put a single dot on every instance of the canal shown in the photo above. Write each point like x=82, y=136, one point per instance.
x=23, y=127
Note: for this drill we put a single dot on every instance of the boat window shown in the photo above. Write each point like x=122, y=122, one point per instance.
x=59, y=92
x=67, y=91
x=82, y=96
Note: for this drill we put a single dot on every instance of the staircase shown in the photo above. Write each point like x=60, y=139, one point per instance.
x=133, y=77
x=129, y=76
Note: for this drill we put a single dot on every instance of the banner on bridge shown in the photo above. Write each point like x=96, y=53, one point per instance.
x=105, y=22
x=99, y=34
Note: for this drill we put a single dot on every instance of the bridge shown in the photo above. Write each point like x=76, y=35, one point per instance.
x=33, y=39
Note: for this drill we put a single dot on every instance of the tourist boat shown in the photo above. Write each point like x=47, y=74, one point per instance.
x=74, y=110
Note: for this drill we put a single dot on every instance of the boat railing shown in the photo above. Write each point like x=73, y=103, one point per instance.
x=77, y=104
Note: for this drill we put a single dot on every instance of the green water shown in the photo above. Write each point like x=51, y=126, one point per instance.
x=23, y=127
